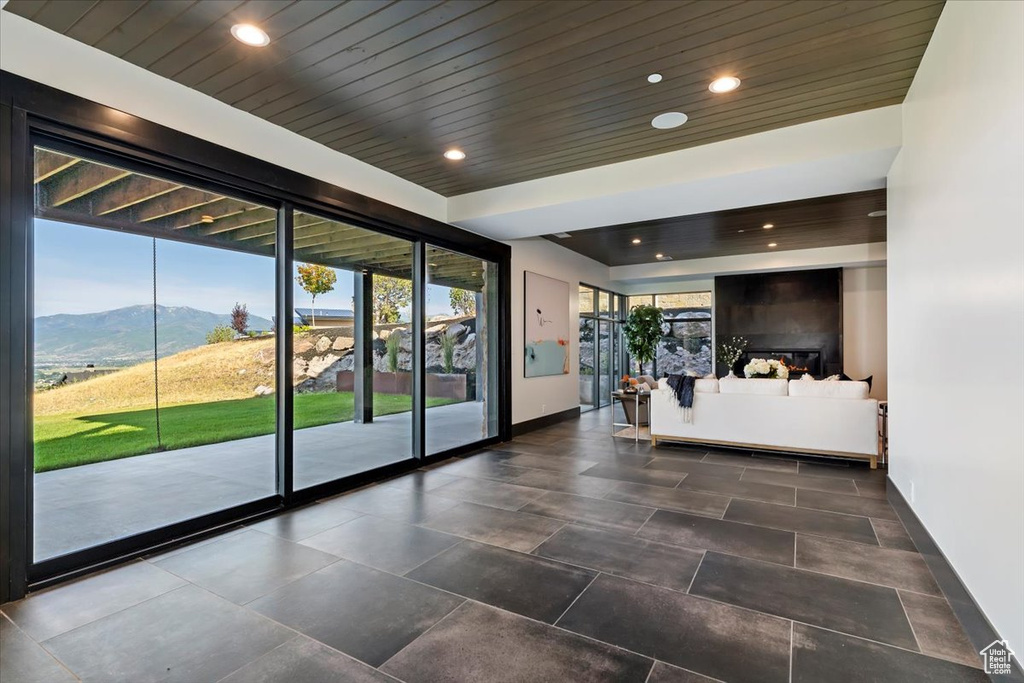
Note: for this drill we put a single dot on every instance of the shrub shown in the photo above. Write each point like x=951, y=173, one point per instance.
x=393, y=345
x=221, y=333
x=240, y=318
x=448, y=352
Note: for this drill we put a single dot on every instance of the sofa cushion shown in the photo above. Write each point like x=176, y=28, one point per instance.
x=762, y=387
x=852, y=390
x=701, y=385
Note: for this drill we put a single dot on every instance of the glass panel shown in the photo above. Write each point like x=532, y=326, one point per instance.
x=586, y=364
x=604, y=302
x=461, y=309
x=639, y=300
x=671, y=303
x=604, y=395
x=586, y=300
x=333, y=260
x=686, y=345
x=154, y=355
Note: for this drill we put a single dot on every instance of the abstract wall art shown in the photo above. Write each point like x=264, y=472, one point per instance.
x=546, y=325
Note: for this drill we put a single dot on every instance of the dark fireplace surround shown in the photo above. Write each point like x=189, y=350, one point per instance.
x=795, y=316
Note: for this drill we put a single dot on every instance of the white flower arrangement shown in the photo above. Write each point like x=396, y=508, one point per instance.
x=762, y=368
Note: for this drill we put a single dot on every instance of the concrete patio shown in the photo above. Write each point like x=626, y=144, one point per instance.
x=83, y=506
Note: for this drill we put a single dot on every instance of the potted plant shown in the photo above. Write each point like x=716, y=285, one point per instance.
x=643, y=331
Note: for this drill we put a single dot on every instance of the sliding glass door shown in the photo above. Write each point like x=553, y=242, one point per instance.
x=600, y=346
x=154, y=352
x=352, y=352
x=460, y=322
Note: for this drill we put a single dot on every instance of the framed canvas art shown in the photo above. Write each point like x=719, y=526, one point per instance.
x=546, y=310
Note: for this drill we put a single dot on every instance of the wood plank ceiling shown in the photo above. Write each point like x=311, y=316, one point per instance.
x=75, y=190
x=809, y=223
x=527, y=88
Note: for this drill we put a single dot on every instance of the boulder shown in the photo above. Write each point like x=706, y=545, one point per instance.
x=455, y=330
x=302, y=346
x=320, y=363
x=323, y=344
x=342, y=343
x=264, y=390
x=435, y=329
x=299, y=367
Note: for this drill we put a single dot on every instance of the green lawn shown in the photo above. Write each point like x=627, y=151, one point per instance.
x=70, y=440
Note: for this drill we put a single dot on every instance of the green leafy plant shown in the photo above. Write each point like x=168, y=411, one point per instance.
x=393, y=345
x=643, y=330
x=448, y=352
x=315, y=279
x=221, y=333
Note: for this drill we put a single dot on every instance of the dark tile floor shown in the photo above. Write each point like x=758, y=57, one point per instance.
x=565, y=555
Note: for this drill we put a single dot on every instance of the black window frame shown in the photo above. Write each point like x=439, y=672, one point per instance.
x=30, y=112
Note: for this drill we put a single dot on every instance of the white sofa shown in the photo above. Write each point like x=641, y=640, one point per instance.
x=824, y=418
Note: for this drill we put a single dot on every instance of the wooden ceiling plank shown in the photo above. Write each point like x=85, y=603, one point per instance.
x=441, y=43
x=184, y=27
x=59, y=16
x=347, y=46
x=700, y=131
x=875, y=84
x=442, y=86
x=153, y=17
x=286, y=27
x=102, y=18
x=612, y=97
x=531, y=24
x=216, y=38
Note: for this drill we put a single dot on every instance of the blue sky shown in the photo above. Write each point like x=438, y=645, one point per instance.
x=86, y=270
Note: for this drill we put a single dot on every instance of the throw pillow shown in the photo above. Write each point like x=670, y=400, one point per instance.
x=832, y=378
x=807, y=377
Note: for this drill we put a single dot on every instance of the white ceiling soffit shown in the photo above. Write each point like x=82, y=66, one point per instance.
x=843, y=154
x=42, y=55
x=847, y=256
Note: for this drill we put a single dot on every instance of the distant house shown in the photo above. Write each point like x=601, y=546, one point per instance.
x=325, y=317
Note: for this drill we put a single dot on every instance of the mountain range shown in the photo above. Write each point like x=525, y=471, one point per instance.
x=125, y=335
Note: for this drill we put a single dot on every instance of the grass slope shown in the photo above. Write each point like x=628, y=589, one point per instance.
x=67, y=440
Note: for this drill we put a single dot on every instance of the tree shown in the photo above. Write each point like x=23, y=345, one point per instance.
x=643, y=331
x=390, y=295
x=463, y=301
x=316, y=279
x=240, y=318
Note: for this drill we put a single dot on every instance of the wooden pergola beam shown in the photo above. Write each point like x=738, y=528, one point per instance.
x=76, y=181
x=121, y=194
x=49, y=163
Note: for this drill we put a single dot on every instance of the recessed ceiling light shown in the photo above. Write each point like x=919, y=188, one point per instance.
x=654, y=78
x=455, y=155
x=636, y=240
x=250, y=35
x=205, y=219
x=739, y=231
x=878, y=214
x=768, y=226
x=772, y=244
x=672, y=119
x=659, y=256
x=662, y=257
x=724, y=84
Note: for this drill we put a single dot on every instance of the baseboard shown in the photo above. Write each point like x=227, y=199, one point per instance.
x=976, y=624
x=521, y=428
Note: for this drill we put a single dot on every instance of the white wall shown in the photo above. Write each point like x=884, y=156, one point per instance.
x=956, y=303
x=533, y=397
x=864, y=325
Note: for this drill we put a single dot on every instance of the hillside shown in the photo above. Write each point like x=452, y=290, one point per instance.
x=125, y=335
x=214, y=372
